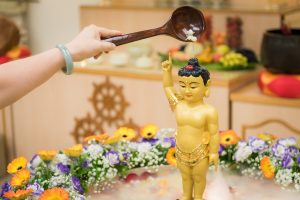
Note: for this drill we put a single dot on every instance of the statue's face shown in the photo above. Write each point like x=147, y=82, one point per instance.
x=192, y=88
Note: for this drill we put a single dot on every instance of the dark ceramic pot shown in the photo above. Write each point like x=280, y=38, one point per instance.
x=281, y=53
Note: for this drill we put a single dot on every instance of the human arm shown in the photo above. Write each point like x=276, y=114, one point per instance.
x=168, y=82
x=214, y=137
x=19, y=77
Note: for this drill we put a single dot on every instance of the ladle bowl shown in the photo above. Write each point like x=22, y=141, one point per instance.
x=183, y=19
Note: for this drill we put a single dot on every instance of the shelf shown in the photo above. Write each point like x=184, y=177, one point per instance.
x=230, y=79
x=252, y=94
x=223, y=9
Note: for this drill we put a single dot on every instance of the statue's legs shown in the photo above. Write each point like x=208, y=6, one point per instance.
x=187, y=181
x=199, y=177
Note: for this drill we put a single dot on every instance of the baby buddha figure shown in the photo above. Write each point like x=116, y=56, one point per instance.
x=197, y=136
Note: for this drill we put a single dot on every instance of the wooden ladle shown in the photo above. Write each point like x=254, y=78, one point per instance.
x=183, y=19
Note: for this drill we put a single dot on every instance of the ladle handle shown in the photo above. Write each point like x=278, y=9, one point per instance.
x=132, y=37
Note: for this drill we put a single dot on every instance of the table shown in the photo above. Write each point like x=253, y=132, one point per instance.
x=166, y=185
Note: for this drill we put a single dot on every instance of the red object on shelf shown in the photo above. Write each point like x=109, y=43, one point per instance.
x=280, y=85
x=16, y=53
x=4, y=59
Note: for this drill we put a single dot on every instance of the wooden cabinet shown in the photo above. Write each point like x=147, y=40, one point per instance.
x=254, y=112
x=7, y=148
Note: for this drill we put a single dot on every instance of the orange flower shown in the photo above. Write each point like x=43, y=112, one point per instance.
x=16, y=165
x=73, y=151
x=47, y=155
x=20, y=178
x=149, y=131
x=55, y=194
x=98, y=138
x=266, y=137
x=171, y=159
x=228, y=138
x=20, y=194
x=267, y=167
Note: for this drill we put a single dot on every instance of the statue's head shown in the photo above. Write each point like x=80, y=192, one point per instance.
x=194, y=81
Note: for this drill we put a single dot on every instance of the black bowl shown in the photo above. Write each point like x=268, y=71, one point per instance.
x=281, y=53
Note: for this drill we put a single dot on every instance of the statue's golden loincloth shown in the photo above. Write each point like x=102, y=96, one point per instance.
x=192, y=158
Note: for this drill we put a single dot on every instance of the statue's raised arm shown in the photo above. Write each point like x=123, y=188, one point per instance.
x=168, y=84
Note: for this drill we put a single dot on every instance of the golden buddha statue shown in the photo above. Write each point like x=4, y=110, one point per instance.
x=197, y=136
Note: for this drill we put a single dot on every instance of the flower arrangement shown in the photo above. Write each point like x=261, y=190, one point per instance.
x=263, y=156
x=94, y=165
x=103, y=159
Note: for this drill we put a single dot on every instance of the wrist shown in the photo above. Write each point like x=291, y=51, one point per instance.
x=68, y=68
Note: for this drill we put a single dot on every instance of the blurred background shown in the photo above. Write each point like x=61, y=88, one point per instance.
x=125, y=86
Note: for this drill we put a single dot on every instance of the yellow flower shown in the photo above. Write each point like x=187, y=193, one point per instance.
x=55, y=194
x=98, y=138
x=73, y=151
x=16, y=165
x=18, y=195
x=149, y=131
x=267, y=167
x=171, y=159
x=123, y=133
x=20, y=178
x=266, y=137
x=47, y=155
x=228, y=138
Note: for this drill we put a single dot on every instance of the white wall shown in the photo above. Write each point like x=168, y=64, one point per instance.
x=54, y=21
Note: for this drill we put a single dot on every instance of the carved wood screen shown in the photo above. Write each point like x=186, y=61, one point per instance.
x=110, y=105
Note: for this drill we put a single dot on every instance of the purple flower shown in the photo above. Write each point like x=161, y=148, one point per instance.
x=5, y=188
x=65, y=169
x=220, y=149
x=287, y=161
x=124, y=157
x=151, y=141
x=293, y=151
x=37, y=189
x=112, y=157
x=77, y=185
x=279, y=150
x=256, y=144
x=298, y=160
x=171, y=140
x=85, y=164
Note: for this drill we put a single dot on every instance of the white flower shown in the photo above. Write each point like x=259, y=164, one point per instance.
x=35, y=161
x=257, y=145
x=165, y=133
x=291, y=141
x=284, y=177
x=164, y=144
x=113, y=158
x=57, y=181
x=191, y=38
x=242, y=153
x=144, y=147
x=242, y=144
x=61, y=158
x=94, y=150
